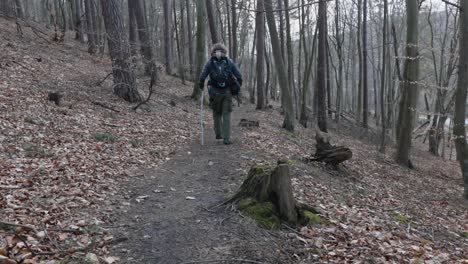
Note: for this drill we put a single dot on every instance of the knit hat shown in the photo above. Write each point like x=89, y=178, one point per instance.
x=219, y=46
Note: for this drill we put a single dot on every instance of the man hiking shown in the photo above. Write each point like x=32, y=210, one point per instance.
x=225, y=81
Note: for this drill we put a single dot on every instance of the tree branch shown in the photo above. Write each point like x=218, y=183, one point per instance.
x=280, y=10
x=452, y=4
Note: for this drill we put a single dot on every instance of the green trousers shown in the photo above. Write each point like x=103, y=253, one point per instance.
x=221, y=104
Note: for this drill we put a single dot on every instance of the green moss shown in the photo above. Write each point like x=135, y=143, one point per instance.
x=36, y=151
x=262, y=212
x=402, y=219
x=315, y=219
x=260, y=170
x=292, y=162
x=462, y=233
x=105, y=137
x=136, y=143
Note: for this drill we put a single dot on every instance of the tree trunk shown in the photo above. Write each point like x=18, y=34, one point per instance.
x=365, y=89
x=460, y=99
x=211, y=21
x=79, y=21
x=190, y=37
x=382, y=78
x=290, y=56
x=252, y=74
x=234, y=30
x=339, y=52
x=200, y=52
x=321, y=67
x=132, y=28
x=304, y=117
x=288, y=123
x=169, y=62
x=358, y=39
x=409, y=85
x=89, y=5
x=271, y=189
x=119, y=49
x=179, y=51
x=260, y=25
x=144, y=36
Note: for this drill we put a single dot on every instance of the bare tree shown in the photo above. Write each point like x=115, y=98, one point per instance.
x=119, y=49
x=90, y=27
x=460, y=102
x=382, y=78
x=143, y=35
x=365, y=103
x=200, y=51
x=288, y=123
x=168, y=36
x=321, y=67
x=409, y=86
x=260, y=25
x=211, y=21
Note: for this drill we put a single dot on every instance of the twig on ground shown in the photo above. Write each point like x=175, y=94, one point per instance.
x=222, y=221
x=105, y=106
x=103, y=80
x=10, y=187
x=28, y=227
x=152, y=82
x=224, y=260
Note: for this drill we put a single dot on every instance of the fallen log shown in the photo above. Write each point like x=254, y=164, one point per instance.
x=328, y=153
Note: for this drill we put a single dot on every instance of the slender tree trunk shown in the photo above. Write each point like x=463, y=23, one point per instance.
x=190, y=36
x=289, y=56
x=460, y=99
x=79, y=21
x=260, y=25
x=321, y=67
x=89, y=5
x=281, y=30
x=339, y=53
x=169, y=62
x=211, y=21
x=409, y=86
x=132, y=30
x=361, y=61
x=200, y=52
x=251, y=75
x=288, y=123
x=365, y=89
x=144, y=36
x=119, y=49
x=382, y=78
x=179, y=50
x=234, y=30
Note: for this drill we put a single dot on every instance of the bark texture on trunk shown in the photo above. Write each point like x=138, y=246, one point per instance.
x=409, y=86
x=119, y=49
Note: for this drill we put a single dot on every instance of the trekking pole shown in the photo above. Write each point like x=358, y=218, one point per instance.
x=201, y=119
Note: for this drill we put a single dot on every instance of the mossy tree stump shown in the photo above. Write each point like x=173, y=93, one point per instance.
x=266, y=195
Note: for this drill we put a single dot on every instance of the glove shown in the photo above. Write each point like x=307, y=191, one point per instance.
x=201, y=85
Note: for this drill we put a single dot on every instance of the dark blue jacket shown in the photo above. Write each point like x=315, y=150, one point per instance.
x=219, y=71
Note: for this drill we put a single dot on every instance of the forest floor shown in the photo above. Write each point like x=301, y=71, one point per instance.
x=123, y=186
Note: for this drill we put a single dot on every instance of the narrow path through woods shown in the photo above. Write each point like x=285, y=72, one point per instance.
x=169, y=226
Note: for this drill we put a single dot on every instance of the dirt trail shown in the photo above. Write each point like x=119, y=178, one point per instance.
x=167, y=227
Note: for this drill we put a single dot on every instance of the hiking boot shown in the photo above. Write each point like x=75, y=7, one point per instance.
x=227, y=141
x=219, y=137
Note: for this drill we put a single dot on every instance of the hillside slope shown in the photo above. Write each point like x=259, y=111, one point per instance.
x=66, y=170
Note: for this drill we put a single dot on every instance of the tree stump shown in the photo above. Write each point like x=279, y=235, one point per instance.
x=266, y=196
x=330, y=154
x=249, y=123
